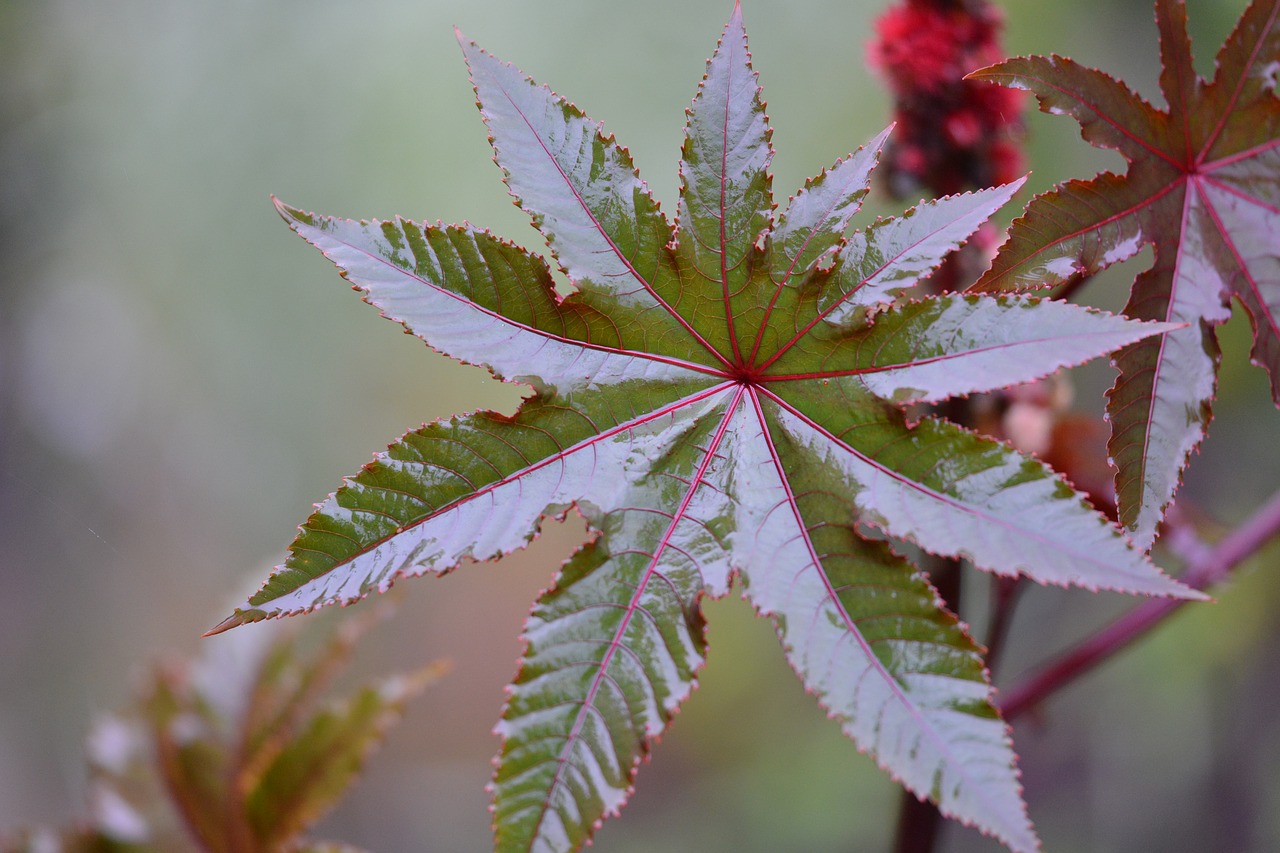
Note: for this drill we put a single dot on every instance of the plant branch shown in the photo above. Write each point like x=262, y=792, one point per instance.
x=1205, y=569
x=1069, y=288
x=918, y=825
x=1005, y=596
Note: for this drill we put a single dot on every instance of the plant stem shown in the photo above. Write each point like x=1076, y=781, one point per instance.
x=1070, y=287
x=1204, y=570
x=1006, y=597
x=918, y=824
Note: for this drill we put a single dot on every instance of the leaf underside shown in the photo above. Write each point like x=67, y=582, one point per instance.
x=1203, y=189
x=718, y=402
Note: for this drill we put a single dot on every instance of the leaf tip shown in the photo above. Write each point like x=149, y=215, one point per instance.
x=291, y=215
x=1164, y=586
x=1193, y=594
x=986, y=72
x=877, y=142
x=735, y=20
x=233, y=621
x=1004, y=193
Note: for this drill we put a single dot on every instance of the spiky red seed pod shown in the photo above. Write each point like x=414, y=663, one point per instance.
x=952, y=134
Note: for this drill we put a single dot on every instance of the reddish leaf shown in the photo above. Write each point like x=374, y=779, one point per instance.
x=1203, y=189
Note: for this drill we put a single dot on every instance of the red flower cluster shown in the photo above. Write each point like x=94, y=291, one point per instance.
x=952, y=134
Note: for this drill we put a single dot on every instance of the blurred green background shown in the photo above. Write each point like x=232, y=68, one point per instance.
x=180, y=378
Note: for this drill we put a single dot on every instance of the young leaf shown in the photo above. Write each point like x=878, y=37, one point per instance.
x=229, y=752
x=1203, y=189
x=718, y=400
x=312, y=771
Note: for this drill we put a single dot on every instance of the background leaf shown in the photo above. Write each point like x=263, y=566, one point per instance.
x=229, y=751
x=1202, y=188
x=314, y=769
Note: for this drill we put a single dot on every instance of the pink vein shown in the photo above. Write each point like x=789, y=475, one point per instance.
x=1226, y=113
x=1158, y=367
x=1171, y=63
x=524, y=472
x=605, y=235
x=633, y=605
x=922, y=489
x=888, y=263
x=724, y=249
x=850, y=623
x=1067, y=189
x=1117, y=216
x=777, y=292
x=674, y=362
x=907, y=366
x=1255, y=151
x=1096, y=110
x=1263, y=307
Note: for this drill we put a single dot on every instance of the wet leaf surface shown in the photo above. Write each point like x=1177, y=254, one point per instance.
x=720, y=398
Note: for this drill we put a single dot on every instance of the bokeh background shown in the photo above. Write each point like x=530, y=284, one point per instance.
x=181, y=377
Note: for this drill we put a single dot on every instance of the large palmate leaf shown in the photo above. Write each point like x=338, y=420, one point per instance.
x=718, y=399
x=1203, y=188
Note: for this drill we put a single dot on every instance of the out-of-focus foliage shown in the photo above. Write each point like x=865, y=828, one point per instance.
x=238, y=750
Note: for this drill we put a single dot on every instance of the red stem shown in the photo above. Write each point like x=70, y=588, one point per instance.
x=1005, y=599
x=1205, y=569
